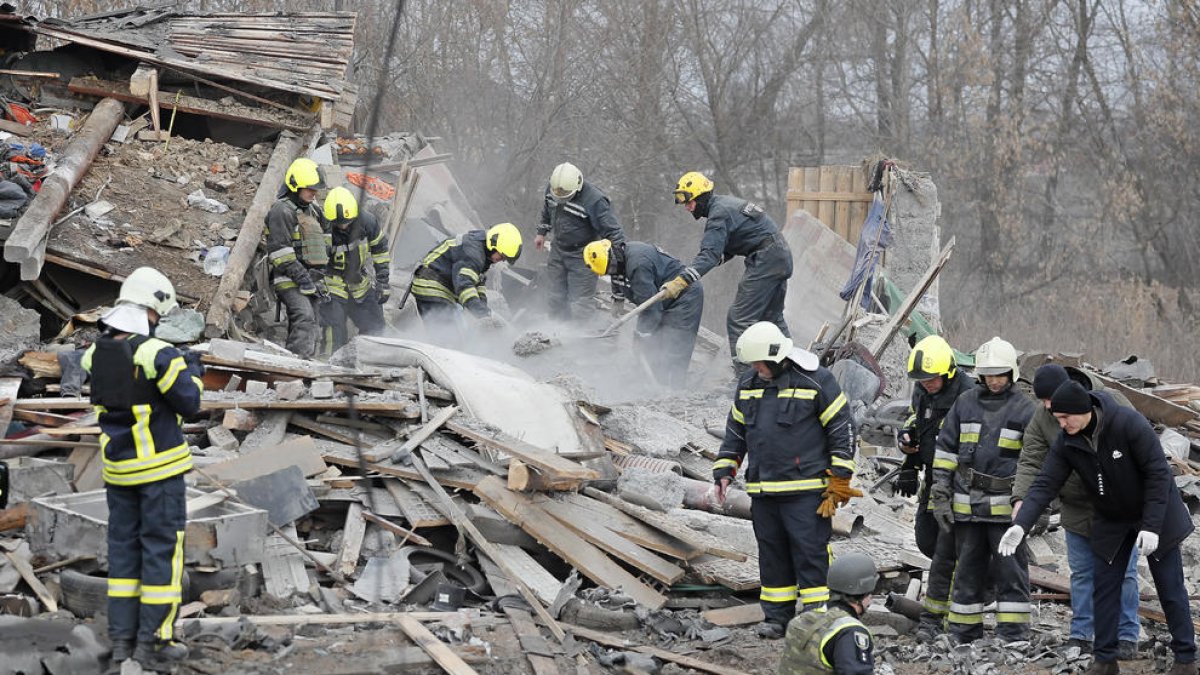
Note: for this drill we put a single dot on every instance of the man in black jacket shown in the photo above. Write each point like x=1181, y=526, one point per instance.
x=1117, y=455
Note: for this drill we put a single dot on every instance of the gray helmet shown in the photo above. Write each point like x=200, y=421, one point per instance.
x=853, y=574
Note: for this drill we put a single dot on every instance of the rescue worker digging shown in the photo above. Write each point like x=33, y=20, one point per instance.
x=939, y=383
x=666, y=331
x=574, y=212
x=452, y=276
x=789, y=426
x=142, y=387
x=359, y=270
x=835, y=640
x=973, y=469
x=736, y=227
x=295, y=245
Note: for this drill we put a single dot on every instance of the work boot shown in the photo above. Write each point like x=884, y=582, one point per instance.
x=160, y=655
x=1103, y=668
x=1126, y=650
x=122, y=650
x=1178, y=668
x=770, y=630
x=1085, y=646
x=928, y=632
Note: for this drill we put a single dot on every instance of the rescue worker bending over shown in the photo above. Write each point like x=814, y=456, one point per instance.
x=574, y=212
x=938, y=384
x=666, y=331
x=451, y=277
x=835, y=641
x=296, y=250
x=358, y=272
x=736, y=227
x=973, y=470
x=790, y=426
x=142, y=387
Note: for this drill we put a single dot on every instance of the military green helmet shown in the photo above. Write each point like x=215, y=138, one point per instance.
x=853, y=574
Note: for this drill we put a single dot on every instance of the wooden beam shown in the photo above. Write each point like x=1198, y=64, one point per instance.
x=352, y=539
x=90, y=86
x=610, y=640
x=14, y=517
x=15, y=128
x=631, y=528
x=337, y=619
x=406, y=535
x=612, y=543
x=911, y=301
x=524, y=478
x=831, y=196
x=385, y=450
x=663, y=522
x=549, y=462
x=21, y=565
x=445, y=657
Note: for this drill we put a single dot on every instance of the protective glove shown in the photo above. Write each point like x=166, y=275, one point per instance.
x=907, y=440
x=943, y=512
x=383, y=293
x=907, y=482
x=836, y=494
x=1147, y=543
x=307, y=287
x=675, y=287
x=720, y=489
x=192, y=359
x=1011, y=540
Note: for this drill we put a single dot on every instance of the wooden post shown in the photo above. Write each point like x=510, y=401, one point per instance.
x=910, y=302
x=220, y=310
x=28, y=239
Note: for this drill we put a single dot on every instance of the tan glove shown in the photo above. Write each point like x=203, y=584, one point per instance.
x=836, y=494
x=675, y=287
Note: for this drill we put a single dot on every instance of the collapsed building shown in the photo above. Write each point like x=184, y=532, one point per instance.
x=525, y=507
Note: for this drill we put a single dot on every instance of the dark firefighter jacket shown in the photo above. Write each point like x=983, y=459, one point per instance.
x=1043, y=430
x=282, y=240
x=734, y=227
x=1127, y=477
x=647, y=268
x=454, y=272
x=793, y=428
x=582, y=219
x=148, y=387
x=927, y=413
x=977, y=452
x=359, y=258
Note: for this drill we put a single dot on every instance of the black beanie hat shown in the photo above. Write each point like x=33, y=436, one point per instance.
x=1071, y=399
x=1048, y=379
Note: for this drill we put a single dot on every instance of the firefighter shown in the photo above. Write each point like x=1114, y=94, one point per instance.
x=358, y=272
x=666, y=331
x=790, y=427
x=1135, y=503
x=736, y=227
x=451, y=278
x=938, y=384
x=574, y=212
x=973, y=468
x=835, y=641
x=142, y=387
x=1076, y=514
x=294, y=240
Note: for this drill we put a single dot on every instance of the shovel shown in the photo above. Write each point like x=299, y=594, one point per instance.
x=657, y=297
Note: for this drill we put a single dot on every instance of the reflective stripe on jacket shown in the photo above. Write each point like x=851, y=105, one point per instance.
x=281, y=240
x=733, y=227
x=144, y=443
x=454, y=272
x=792, y=429
x=580, y=220
x=359, y=258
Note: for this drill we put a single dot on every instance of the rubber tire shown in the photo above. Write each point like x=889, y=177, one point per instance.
x=86, y=595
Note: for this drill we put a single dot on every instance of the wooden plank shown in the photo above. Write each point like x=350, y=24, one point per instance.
x=812, y=183
x=15, y=128
x=541, y=582
x=388, y=450
x=836, y=195
x=842, y=180
x=461, y=479
x=21, y=565
x=585, y=557
x=416, y=510
x=825, y=206
x=337, y=619
x=14, y=517
x=858, y=209
x=444, y=449
x=738, y=615
x=445, y=657
x=43, y=419
x=301, y=452
x=352, y=539
x=633, y=529
x=389, y=408
x=910, y=302
x=614, y=544
x=90, y=86
x=537, y=650
x=710, y=544
x=405, y=535
x=610, y=640
x=545, y=460
x=9, y=386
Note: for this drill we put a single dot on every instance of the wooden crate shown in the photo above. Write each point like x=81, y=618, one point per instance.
x=835, y=195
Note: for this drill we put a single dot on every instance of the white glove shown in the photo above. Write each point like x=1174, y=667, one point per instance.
x=1147, y=543
x=1011, y=540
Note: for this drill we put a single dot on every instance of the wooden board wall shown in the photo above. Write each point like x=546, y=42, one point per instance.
x=835, y=195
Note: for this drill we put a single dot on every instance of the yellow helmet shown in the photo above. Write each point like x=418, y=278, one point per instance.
x=565, y=181
x=595, y=255
x=930, y=358
x=691, y=185
x=340, y=206
x=304, y=173
x=505, y=239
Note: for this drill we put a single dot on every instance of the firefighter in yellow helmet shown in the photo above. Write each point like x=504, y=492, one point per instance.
x=142, y=387
x=451, y=278
x=359, y=269
x=574, y=213
x=294, y=240
x=736, y=227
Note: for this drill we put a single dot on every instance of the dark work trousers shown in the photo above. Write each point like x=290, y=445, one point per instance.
x=444, y=321
x=145, y=559
x=980, y=566
x=570, y=285
x=761, y=292
x=942, y=554
x=793, y=553
x=1168, y=583
x=367, y=315
x=670, y=348
x=303, y=330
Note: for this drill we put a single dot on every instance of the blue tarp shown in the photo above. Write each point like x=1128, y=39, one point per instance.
x=871, y=243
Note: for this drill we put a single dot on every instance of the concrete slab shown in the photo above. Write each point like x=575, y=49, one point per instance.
x=31, y=477
x=283, y=494
x=822, y=262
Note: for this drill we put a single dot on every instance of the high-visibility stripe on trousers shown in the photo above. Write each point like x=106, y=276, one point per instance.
x=793, y=553
x=980, y=566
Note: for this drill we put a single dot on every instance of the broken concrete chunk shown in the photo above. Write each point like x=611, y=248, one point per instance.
x=283, y=494
x=237, y=419
x=181, y=326
x=322, y=389
x=221, y=438
x=256, y=387
x=221, y=597
x=231, y=350
x=290, y=390
x=97, y=209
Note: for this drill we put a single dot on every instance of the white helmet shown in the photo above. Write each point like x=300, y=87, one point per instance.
x=763, y=342
x=149, y=288
x=565, y=181
x=996, y=357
